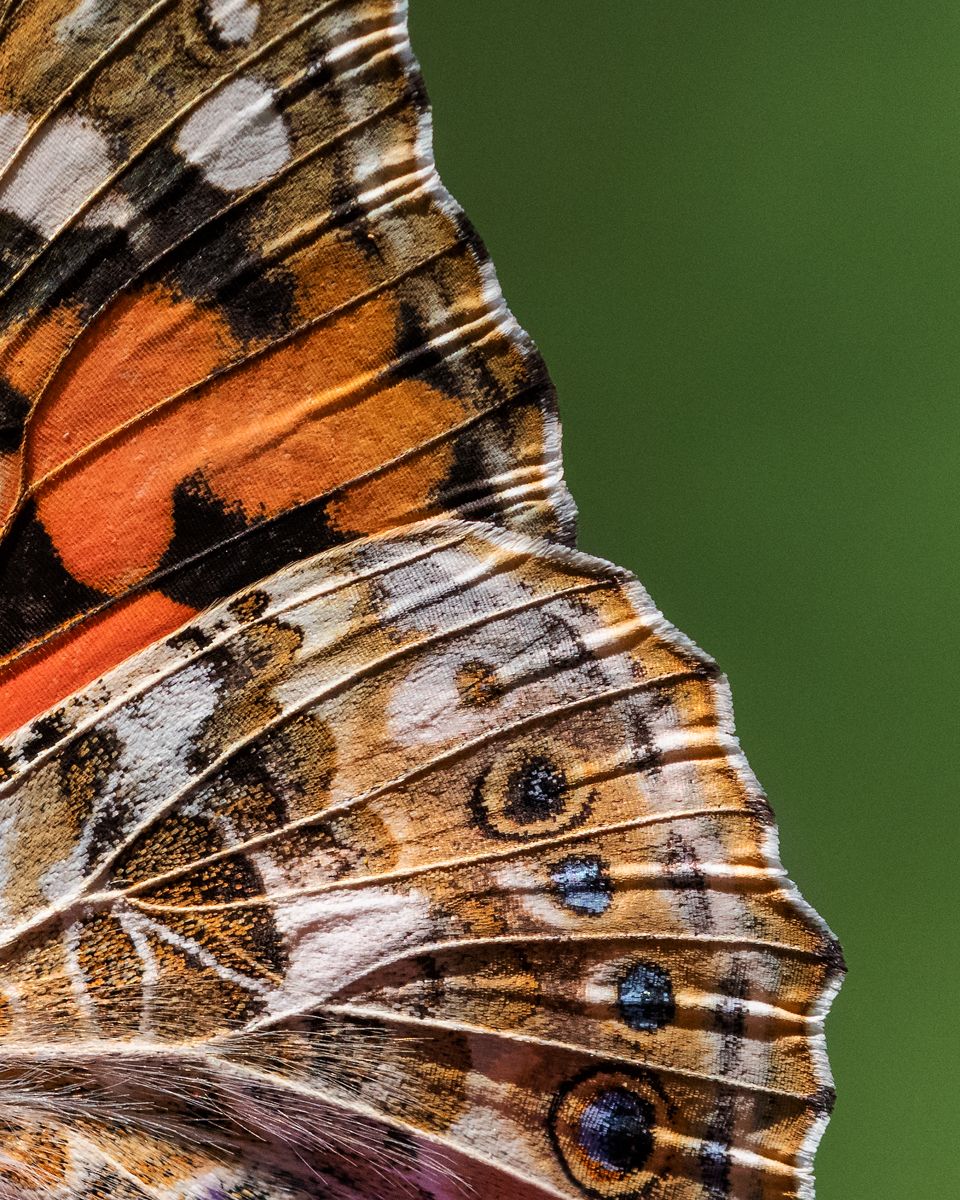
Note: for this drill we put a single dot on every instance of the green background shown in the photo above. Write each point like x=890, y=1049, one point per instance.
x=734, y=230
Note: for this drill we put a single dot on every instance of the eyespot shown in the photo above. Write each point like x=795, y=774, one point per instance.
x=535, y=792
x=583, y=885
x=646, y=998
x=616, y=1130
x=527, y=796
x=604, y=1128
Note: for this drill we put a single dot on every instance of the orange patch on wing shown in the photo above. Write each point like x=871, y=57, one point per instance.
x=33, y=348
x=29, y=351
x=329, y=273
x=110, y=513
x=334, y=440
x=325, y=413
x=276, y=431
x=44, y=676
x=146, y=349
x=396, y=496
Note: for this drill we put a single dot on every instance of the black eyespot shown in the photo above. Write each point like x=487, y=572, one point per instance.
x=524, y=795
x=646, y=997
x=583, y=885
x=536, y=792
x=616, y=1130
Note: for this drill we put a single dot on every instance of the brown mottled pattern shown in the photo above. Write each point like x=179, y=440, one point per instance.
x=326, y=916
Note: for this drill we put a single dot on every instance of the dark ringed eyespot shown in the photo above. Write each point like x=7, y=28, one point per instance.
x=603, y=1126
x=645, y=996
x=616, y=1130
x=525, y=794
x=535, y=792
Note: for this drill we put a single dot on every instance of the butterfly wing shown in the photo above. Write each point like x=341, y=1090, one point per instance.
x=430, y=859
x=241, y=320
x=424, y=861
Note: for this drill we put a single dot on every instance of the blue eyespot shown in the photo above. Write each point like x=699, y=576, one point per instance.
x=583, y=885
x=616, y=1130
x=646, y=997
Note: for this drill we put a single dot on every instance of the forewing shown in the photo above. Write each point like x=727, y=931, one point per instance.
x=241, y=320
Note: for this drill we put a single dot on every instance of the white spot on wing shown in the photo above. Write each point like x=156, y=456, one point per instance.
x=113, y=209
x=78, y=21
x=526, y=888
x=237, y=137
x=336, y=937
x=235, y=21
x=67, y=161
x=449, y=587
x=12, y=128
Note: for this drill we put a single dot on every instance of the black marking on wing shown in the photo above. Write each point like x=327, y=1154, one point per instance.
x=14, y=407
x=216, y=549
x=37, y=592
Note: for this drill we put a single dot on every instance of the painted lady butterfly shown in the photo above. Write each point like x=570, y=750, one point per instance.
x=358, y=836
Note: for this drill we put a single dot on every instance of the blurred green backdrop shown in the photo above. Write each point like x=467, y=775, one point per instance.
x=734, y=230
